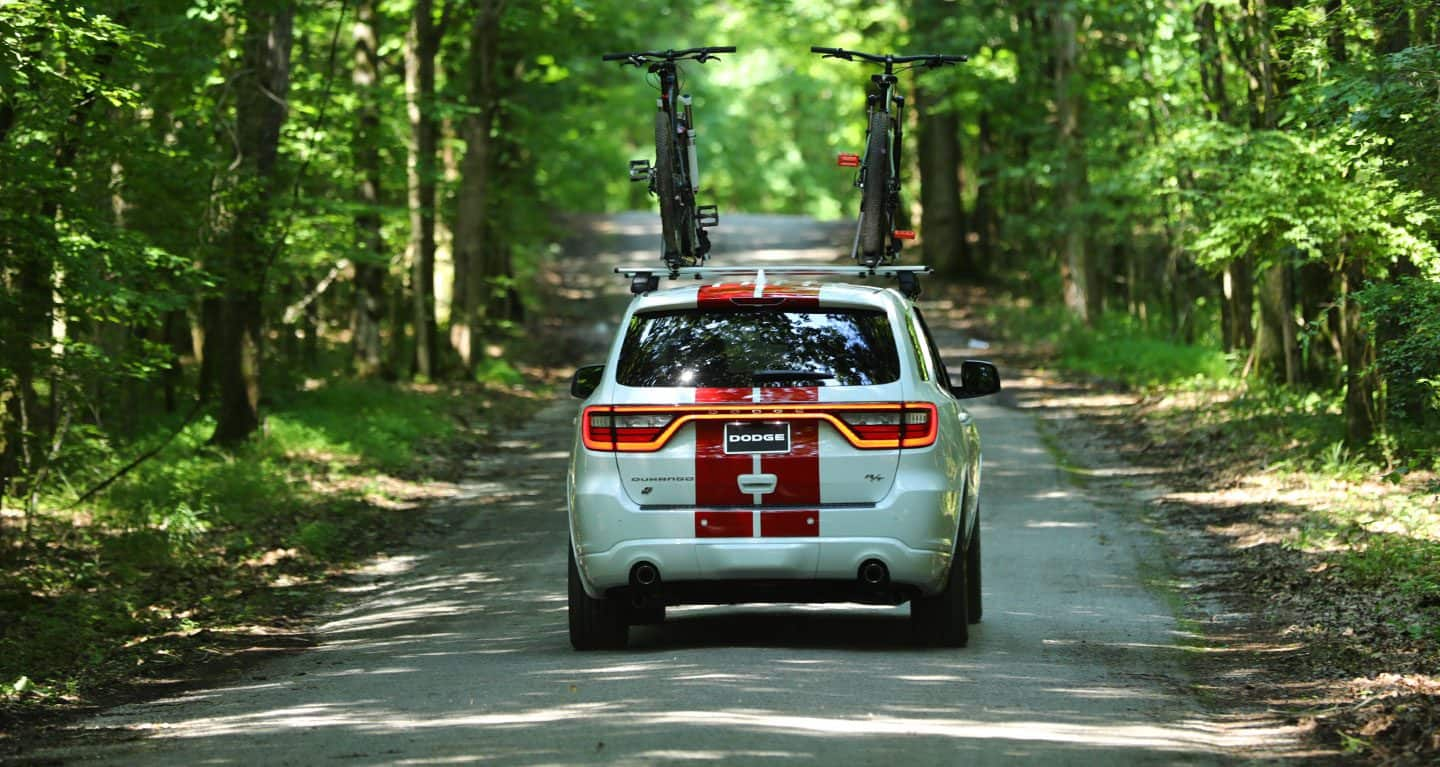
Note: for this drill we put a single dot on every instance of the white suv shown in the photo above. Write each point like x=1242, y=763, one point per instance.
x=760, y=442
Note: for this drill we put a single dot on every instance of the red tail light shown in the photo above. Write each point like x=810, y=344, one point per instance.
x=847, y=160
x=603, y=429
x=645, y=428
x=913, y=425
x=904, y=234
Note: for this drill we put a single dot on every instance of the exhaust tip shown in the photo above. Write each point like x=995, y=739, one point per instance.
x=644, y=574
x=873, y=572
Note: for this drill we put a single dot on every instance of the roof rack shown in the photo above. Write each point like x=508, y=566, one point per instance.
x=644, y=279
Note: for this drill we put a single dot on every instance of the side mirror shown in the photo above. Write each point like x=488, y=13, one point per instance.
x=586, y=380
x=977, y=379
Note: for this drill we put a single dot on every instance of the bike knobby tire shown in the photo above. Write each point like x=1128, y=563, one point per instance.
x=874, y=213
x=672, y=219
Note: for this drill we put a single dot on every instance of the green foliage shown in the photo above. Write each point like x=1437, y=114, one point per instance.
x=1264, y=194
x=1117, y=348
x=180, y=542
x=1404, y=316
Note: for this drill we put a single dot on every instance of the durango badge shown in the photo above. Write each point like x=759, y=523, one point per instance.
x=757, y=437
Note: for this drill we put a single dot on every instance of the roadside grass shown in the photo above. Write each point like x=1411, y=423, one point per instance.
x=1118, y=349
x=1359, y=530
x=197, y=544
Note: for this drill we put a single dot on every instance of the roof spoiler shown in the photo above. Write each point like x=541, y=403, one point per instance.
x=644, y=279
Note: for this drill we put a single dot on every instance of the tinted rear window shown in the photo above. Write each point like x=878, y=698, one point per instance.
x=758, y=347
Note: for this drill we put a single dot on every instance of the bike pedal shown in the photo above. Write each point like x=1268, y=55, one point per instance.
x=639, y=170
x=847, y=160
x=707, y=216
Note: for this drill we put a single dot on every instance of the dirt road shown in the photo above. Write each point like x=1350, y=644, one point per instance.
x=457, y=653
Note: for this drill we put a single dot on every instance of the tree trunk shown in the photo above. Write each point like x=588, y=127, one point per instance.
x=371, y=262
x=1077, y=268
x=943, y=222
x=1237, y=293
x=1360, y=415
x=1393, y=20
x=235, y=339
x=474, y=244
x=421, y=46
x=985, y=228
x=1276, y=347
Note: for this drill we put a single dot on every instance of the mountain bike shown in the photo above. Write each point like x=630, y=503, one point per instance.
x=878, y=176
x=675, y=176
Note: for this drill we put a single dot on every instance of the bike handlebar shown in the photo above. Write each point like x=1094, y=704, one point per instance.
x=887, y=59
x=701, y=55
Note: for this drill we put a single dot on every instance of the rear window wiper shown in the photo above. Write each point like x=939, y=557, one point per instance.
x=791, y=375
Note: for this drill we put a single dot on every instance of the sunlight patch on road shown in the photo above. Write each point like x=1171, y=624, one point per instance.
x=1185, y=735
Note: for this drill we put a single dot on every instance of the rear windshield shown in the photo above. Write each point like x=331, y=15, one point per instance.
x=758, y=347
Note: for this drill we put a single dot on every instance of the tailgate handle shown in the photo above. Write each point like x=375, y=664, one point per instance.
x=756, y=484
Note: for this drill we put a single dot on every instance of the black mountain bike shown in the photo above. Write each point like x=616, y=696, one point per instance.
x=675, y=176
x=876, y=239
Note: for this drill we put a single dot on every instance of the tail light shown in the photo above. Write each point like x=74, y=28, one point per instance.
x=904, y=234
x=847, y=160
x=645, y=429
x=911, y=425
x=604, y=429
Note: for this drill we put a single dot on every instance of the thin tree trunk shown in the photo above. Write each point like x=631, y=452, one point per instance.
x=985, y=227
x=475, y=246
x=422, y=45
x=1077, y=268
x=1237, y=305
x=1276, y=345
x=372, y=262
x=261, y=88
x=943, y=222
x=1360, y=413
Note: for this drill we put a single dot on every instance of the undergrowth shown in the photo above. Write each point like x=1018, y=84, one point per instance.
x=1117, y=349
x=1377, y=525
x=200, y=539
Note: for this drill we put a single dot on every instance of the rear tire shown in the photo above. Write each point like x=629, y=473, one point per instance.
x=672, y=226
x=972, y=576
x=595, y=624
x=943, y=619
x=874, y=218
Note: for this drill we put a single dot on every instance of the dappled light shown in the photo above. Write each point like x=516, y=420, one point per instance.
x=460, y=654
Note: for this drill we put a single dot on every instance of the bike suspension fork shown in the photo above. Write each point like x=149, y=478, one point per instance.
x=691, y=155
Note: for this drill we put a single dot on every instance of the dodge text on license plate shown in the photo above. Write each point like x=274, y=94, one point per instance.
x=757, y=437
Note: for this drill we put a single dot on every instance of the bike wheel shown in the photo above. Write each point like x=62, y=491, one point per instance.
x=874, y=215
x=671, y=235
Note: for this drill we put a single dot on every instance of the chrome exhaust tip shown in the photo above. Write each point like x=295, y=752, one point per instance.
x=873, y=572
x=644, y=574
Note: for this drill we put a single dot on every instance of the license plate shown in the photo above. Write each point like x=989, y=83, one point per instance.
x=757, y=437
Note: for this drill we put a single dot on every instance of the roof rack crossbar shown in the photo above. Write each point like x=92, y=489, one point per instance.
x=644, y=279
x=701, y=272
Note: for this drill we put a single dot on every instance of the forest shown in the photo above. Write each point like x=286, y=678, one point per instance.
x=215, y=214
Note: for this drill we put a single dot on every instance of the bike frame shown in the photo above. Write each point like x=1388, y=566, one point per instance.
x=692, y=243
x=882, y=98
x=683, y=147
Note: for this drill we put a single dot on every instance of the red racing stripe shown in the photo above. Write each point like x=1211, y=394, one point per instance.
x=797, y=473
x=730, y=295
x=725, y=524
x=790, y=524
x=717, y=475
x=790, y=394
x=720, y=395
x=795, y=296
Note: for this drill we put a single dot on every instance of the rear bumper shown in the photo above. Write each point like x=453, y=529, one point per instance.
x=749, y=562
x=912, y=531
